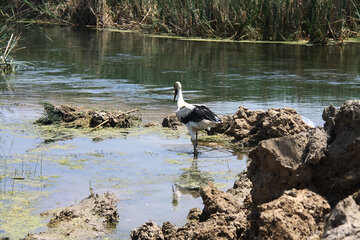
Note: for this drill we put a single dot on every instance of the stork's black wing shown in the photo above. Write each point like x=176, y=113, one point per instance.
x=199, y=113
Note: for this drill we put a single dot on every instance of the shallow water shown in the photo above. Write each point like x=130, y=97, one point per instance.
x=124, y=71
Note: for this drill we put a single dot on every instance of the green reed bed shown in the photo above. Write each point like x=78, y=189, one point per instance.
x=315, y=20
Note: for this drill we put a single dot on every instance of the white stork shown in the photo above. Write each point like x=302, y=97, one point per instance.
x=195, y=117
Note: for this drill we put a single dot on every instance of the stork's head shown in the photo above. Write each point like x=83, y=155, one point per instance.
x=177, y=88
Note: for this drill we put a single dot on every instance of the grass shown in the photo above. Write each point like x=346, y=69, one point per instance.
x=7, y=45
x=9, y=39
x=274, y=20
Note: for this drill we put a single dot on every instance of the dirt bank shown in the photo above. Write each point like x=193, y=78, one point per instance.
x=300, y=185
x=93, y=217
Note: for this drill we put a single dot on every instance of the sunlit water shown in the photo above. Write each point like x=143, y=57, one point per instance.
x=124, y=71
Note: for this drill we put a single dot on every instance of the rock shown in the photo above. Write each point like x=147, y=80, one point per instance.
x=329, y=117
x=250, y=127
x=169, y=231
x=216, y=201
x=194, y=214
x=338, y=174
x=343, y=222
x=171, y=121
x=329, y=162
x=148, y=231
x=297, y=214
x=221, y=127
x=290, y=159
x=283, y=163
x=93, y=217
x=221, y=218
x=241, y=189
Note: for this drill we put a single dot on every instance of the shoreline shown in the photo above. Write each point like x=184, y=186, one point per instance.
x=132, y=30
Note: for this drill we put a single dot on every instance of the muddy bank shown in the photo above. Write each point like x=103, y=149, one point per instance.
x=93, y=217
x=301, y=185
x=81, y=117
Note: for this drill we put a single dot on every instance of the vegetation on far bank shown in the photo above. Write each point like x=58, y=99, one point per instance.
x=274, y=20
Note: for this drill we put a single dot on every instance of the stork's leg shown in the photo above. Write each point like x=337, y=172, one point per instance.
x=195, y=145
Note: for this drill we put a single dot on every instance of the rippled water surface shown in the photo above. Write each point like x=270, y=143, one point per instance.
x=124, y=71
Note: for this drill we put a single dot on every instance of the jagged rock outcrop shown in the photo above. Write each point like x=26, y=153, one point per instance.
x=147, y=231
x=222, y=218
x=343, y=222
x=284, y=163
x=250, y=127
x=297, y=214
x=326, y=161
x=297, y=175
x=338, y=174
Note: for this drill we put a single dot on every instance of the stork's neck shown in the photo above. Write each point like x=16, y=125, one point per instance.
x=180, y=101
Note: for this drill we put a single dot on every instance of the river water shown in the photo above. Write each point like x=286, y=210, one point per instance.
x=124, y=71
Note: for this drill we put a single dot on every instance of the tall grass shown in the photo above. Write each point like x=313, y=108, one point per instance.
x=8, y=43
x=316, y=20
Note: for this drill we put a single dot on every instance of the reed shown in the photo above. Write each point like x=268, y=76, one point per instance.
x=316, y=20
x=7, y=45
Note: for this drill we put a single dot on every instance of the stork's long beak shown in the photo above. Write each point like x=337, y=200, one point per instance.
x=175, y=94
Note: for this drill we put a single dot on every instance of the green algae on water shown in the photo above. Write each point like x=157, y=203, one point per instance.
x=18, y=215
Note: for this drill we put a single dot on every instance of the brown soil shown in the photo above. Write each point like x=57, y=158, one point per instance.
x=93, y=217
x=301, y=183
x=82, y=117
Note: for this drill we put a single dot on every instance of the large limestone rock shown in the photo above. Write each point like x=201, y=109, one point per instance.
x=250, y=127
x=297, y=214
x=284, y=163
x=338, y=174
x=329, y=162
x=344, y=220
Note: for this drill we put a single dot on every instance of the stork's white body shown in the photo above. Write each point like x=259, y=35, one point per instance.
x=192, y=126
x=195, y=117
